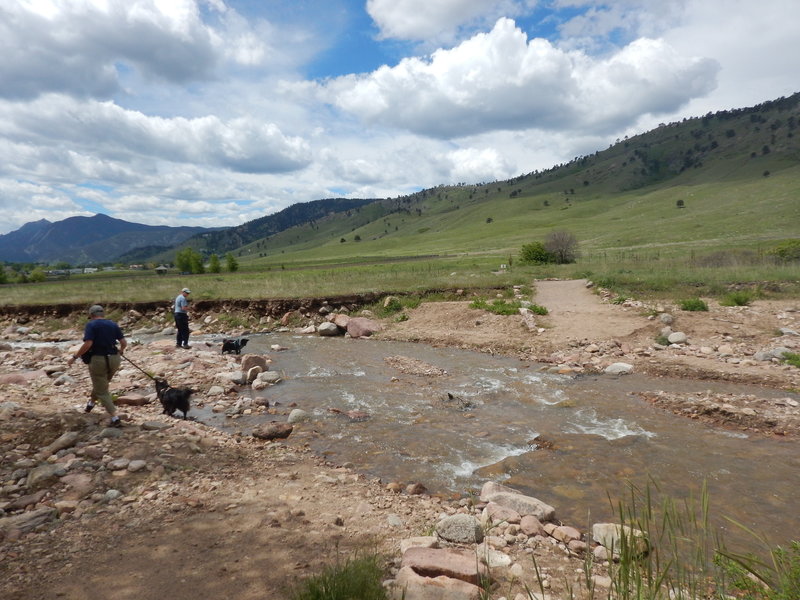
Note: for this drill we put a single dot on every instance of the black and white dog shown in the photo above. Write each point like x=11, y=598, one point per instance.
x=233, y=345
x=171, y=398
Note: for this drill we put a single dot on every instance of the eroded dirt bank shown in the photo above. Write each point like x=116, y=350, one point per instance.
x=168, y=508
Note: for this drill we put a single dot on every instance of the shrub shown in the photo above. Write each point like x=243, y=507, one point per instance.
x=498, y=306
x=792, y=358
x=738, y=298
x=786, y=251
x=535, y=254
x=359, y=577
x=693, y=304
x=662, y=340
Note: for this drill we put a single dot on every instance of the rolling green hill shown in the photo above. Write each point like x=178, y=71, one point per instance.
x=728, y=180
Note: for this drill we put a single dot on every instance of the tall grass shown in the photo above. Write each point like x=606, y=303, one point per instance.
x=356, y=578
x=687, y=559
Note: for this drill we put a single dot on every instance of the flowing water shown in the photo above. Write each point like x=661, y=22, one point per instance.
x=485, y=419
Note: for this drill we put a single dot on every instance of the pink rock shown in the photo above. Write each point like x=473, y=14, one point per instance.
x=341, y=320
x=254, y=360
x=131, y=400
x=566, y=534
x=362, y=327
x=501, y=514
x=530, y=525
x=450, y=562
x=22, y=377
x=412, y=585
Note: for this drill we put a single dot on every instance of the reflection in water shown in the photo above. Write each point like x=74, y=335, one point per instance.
x=488, y=416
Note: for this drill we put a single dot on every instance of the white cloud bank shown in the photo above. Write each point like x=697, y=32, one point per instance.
x=198, y=111
x=502, y=80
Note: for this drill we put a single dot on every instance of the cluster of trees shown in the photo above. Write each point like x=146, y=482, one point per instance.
x=189, y=260
x=20, y=274
x=559, y=247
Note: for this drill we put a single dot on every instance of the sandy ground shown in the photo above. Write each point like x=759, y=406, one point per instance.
x=213, y=515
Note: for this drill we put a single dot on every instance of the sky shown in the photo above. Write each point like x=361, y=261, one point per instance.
x=213, y=113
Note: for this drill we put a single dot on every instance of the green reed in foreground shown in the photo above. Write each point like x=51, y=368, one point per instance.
x=358, y=578
x=689, y=560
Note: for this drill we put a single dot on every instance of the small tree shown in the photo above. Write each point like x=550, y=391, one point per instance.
x=231, y=263
x=197, y=263
x=37, y=275
x=680, y=203
x=213, y=264
x=183, y=260
x=189, y=260
x=562, y=245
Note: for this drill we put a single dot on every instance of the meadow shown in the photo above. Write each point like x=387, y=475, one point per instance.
x=632, y=274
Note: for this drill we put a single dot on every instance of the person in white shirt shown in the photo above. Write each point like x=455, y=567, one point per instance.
x=181, y=314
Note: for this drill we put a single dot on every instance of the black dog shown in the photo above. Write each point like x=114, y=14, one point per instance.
x=173, y=399
x=234, y=345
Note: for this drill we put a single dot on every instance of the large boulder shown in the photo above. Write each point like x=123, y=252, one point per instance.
x=408, y=585
x=613, y=536
x=512, y=499
x=618, y=368
x=341, y=320
x=362, y=327
x=448, y=562
x=677, y=337
x=461, y=529
x=273, y=431
x=254, y=360
x=328, y=329
x=22, y=377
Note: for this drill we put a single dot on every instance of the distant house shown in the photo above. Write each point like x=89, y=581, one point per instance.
x=161, y=269
x=90, y=270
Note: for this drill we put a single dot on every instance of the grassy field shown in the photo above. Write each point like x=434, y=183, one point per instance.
x=639, y=273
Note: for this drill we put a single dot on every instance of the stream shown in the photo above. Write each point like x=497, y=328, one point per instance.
x=486, y=417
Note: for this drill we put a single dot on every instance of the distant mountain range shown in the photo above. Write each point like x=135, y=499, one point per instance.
x=103, y=239
x=87, y=240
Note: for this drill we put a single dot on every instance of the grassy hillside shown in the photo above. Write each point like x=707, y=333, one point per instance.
x=735, y=173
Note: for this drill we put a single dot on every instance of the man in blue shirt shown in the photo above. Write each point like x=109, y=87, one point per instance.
x=182, y=318
x=100, y=337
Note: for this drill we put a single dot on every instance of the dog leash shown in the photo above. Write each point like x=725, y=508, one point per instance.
x=138, y=367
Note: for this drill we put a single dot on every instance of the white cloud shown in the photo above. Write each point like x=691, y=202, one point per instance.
x=439, y=21
x=79, y=45
x=500, y=80
x=198, y=111
x=473, y=165
x=106, y=130
x=37, y=202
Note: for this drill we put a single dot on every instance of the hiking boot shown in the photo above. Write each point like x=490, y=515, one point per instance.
x=188, y=347
x=89, y=407
x=115, y=422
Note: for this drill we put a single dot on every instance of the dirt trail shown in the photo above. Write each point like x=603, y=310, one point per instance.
x=575, y=312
